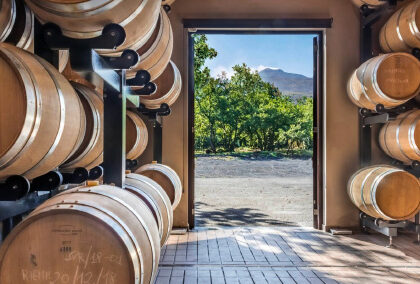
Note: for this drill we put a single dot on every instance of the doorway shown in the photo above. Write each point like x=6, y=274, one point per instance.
x=254, y=176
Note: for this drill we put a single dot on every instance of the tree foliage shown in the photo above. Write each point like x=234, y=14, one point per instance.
x=245, y=111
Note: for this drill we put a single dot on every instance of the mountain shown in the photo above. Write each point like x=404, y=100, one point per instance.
x=295, y=85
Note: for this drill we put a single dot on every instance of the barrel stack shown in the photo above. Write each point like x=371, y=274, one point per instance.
x=52, y=121
x=391, y=80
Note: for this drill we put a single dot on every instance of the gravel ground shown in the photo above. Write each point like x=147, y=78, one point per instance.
x=246, y=192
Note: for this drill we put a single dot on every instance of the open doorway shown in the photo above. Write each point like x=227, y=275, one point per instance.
x=255, y=122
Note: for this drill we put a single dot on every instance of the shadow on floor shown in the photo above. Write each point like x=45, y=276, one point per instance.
x=234, y=217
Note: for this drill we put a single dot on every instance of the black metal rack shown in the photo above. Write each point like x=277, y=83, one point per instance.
x=368, y=118
x=19, y=196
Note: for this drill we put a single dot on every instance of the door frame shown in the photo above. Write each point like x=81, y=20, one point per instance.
x=318, y=28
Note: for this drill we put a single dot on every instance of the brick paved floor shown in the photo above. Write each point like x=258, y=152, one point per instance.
x=286, y=255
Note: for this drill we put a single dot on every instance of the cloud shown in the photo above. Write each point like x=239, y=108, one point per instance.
x=217, y=71
x=259, y=68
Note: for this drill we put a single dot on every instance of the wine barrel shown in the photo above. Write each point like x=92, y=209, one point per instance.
x=389, y=79
x=401, y=32
x=100, y=234
x=7, y=18
x=169, y=86
x=156, y=199
x=41, y=117
x=167, y=178
x=400, y=139
x=156, y=53
x=370, y=3
x=385, y=192
x=86, y=19
x=136, y=136
x=22, y=33
x=88, y=154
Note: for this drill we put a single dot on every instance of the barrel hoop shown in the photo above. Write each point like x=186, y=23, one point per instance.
x=363, y=85
x=350, y=187
x=412, y=22
x=363, y=186
x=137, y=134
x=62, y=123
x=151, y=200
x=139, y=218
x=352, y=94
x=173, y=178
x=375, y=187
x=96, y=125
x=388, y=152
x=400, y=37
x=29, y=125
x=110, y=219
x=385, y=35
x=378, y=89
x=159, y=192
x=397, y=137
x=37, y=120
x=28, y=33
x=411, y=139
x=12, y=19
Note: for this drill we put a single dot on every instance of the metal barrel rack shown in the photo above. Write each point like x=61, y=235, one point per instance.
x=367, y=118
x=18, y=195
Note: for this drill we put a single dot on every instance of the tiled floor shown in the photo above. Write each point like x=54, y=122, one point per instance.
x=286, y=255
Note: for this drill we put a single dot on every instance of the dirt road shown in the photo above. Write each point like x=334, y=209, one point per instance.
x=245, y=192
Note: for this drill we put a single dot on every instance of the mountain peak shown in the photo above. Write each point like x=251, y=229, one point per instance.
x=288, y=83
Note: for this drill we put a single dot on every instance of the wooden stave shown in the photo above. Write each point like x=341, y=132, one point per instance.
x=170, y=175
x=142, y=136
x=362, y=84
x=30, y=148
x=396, y=138
x=91, y=156
x=62, y=149
x=157, y=56
x=119, y=207
x=142, y=185
x=7, y=18
x=401, y=33
x=129, y=14
x=373, y=176
x=154, y=101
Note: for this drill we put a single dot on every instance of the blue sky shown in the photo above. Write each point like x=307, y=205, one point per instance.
x=292, y=53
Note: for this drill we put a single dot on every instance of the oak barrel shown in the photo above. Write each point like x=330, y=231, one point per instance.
x=136, y=136
x=22, y=32
x=389, y=79
x=7, y=18
x=100, y=234
x=385, y=192
x=169, y=86
x=400, y=139
x=402, y=31
x=156, y=53
x=88, y=154
x=370, y=3
x=41, y=117
x=86, y=19
x=167, y=178
x=156, y=199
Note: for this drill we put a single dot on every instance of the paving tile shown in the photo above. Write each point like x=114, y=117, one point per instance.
x=285, y=255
